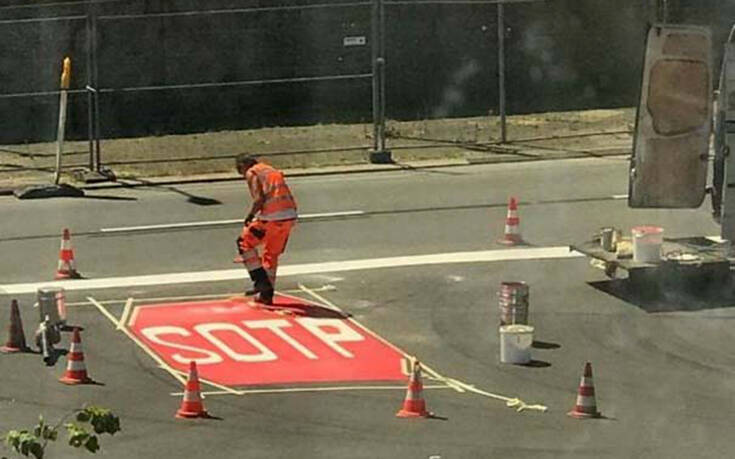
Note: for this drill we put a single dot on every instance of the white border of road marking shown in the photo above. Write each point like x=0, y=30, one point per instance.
x=620, y=196
x=230, y=391
x=123, y=229
x=162, y=364
x=482, y=256
x=455, y=384
x=432, y=374
x=209, y=296
x=125, y=314
x=310, y=389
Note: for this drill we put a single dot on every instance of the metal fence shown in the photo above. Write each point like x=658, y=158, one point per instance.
x=114, y=80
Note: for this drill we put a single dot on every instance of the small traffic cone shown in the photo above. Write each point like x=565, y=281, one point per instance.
x=66, y=268
x=414, y=405
x=586, y=406
x=191, y=405
x=76, y=371
x=16, y=338
x=512, y=225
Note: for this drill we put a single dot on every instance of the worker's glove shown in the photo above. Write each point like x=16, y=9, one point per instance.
x=237, y=244
x=249, y=219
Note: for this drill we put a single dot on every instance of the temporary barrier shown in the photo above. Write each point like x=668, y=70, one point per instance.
x=191, y=405
x=76, y=370
x=586, y=405
x=414, y=405
x=66, y=268
x=16, y=337
x=512, y=234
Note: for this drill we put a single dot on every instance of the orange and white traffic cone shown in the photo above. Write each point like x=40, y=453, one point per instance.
x=414, y=405
x=586, y=406
x=16, y=338
x=512, y=225
x=66, y=269
x=76, y=370
x=191, y=405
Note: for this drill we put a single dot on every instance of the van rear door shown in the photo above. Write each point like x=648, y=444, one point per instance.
x=668, y=168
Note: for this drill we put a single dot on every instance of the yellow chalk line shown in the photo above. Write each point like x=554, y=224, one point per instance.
x=311, y=389
x=161, y=364
x=431, y=372
x=455, y=384
x=323, y=288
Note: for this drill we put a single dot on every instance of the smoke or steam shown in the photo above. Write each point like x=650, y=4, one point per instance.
x=453, y=95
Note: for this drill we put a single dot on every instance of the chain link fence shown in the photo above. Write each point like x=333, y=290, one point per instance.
x=157, y=90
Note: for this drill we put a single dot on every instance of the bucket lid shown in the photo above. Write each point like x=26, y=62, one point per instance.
x=516, y=329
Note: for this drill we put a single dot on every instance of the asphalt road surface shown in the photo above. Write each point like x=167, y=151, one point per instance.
x=406, y=262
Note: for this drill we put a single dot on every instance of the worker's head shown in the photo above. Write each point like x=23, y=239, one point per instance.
x=243, y=162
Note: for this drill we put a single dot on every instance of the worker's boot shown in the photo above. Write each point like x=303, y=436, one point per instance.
x=262, y=285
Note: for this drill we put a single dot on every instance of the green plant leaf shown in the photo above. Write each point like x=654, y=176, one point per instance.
x=37, y=450
x=92, y=444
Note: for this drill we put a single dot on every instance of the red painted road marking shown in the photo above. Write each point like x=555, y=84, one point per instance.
x=237, y=344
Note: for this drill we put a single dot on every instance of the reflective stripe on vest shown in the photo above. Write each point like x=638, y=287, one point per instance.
x=278, y=203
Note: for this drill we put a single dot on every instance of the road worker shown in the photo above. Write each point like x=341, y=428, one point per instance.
x=268, y=223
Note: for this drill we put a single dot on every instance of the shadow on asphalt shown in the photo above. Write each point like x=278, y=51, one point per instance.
x=668, y=300
x=109, y=198
x=191, y=198
x=544, y=345
x=536, y=364
x=307, y=310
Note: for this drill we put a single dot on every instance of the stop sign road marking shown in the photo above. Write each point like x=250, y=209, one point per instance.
x=236, y=344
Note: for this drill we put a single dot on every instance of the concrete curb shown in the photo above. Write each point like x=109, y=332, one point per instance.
x=342, y=170
x=351, y=169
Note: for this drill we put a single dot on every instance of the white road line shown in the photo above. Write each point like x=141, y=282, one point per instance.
x=135, y=339
x=126, y=312
x=406, y=356
x=122, y=229
x=308, y=389
x=620, y=196
x=484, y=256
x=180, y=376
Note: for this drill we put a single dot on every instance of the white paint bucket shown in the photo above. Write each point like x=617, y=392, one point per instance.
x=647, y=241
x=515, y=343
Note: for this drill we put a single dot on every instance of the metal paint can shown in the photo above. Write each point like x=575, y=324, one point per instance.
x=52, y=303
x=607, y=239
x=513, y=302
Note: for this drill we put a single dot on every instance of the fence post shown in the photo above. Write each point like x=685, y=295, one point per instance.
x=380, y=154
x=501, y=73
x=90, y=95
x=96, y=172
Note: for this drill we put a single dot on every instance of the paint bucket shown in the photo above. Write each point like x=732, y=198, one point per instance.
x=52, y=303
x=607, y=239
x=513, y=302
x=647, y=242
x=515, y=343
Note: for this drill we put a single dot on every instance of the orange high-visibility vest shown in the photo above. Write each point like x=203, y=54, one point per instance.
x=267, y=182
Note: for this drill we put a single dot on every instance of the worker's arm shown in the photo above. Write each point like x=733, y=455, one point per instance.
x=256, y=191
x=254, y=209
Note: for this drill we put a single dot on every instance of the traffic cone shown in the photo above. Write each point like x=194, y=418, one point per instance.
x=16, y=338
x=512, y=225
x=414, y=405
x=76, y=371
x=191, y=405
x=586, y=406
x=66, y=268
